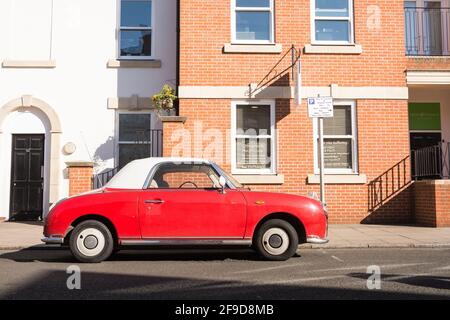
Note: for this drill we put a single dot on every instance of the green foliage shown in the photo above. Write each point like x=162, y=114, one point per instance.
x=165, y=98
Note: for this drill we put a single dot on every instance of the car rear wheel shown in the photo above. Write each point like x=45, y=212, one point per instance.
x=91, y=242
x=276, y=240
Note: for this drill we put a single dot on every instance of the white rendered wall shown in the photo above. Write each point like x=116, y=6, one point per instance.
x=80, y=35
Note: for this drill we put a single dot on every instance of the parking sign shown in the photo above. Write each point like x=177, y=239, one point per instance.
x=320, y=107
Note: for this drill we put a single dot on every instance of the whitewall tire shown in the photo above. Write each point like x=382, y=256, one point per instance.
x=276, y=239
x=91, y=241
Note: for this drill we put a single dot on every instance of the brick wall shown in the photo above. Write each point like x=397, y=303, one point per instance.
x=382, y=142
x=205, y=27
x=80, y=179
x=432, y=203
x=428, y=63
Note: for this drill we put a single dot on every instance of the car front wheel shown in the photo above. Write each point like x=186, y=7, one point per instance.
x=91, y=241
x=276, y=240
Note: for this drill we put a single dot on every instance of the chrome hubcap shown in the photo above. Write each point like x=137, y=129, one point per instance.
x=275, y=241
x=90, y=242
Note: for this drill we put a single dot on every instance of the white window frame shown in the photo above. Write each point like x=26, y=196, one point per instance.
x=272, y=136
x=120, y=29
x=353, y=137
x=350, y=19
x=270, y=9
x=117, y=132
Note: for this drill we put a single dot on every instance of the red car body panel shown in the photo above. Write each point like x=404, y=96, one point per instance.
x=185, y=213
x=192, y=213
x=308, y=211
x=118, y=206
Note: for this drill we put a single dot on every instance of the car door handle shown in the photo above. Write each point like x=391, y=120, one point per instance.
x=158, y=201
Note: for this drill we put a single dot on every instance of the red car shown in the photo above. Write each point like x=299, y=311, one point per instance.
x=180, y=201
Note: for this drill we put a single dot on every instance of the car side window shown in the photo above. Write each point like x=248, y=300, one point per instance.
x=184, y=176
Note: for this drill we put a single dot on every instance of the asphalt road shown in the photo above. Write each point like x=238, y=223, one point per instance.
x=228, y=274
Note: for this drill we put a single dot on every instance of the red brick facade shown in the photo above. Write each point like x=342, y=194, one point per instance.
x=382, y=125
x=432, y=203
x=80, y=178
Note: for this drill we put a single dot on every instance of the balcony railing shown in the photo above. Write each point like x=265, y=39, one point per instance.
x=432, y=162
x=427, y=31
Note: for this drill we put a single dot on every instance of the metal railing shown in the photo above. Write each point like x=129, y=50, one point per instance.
x=432, y=162
x=154, y=140
x=388, y=184
x=427, y=31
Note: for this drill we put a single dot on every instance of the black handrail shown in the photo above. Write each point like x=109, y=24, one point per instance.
x=432, y=162
x=388, y=184
x=427, y=31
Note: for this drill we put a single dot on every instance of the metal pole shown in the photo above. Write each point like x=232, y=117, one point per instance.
x=321, y=164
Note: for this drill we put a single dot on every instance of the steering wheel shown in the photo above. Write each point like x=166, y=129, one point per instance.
x=181, y=186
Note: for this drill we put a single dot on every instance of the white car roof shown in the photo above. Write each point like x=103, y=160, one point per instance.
x=134, y=174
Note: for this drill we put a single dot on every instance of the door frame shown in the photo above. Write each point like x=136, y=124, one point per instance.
x=44, y=150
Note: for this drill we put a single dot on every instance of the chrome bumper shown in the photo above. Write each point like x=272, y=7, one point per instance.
x=314, y=240
x=52, y=240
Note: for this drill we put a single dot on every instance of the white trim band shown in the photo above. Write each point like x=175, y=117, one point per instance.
x=346, y=49
x=338, y=179
x=259, y=179
x=42, y=64
x=252, y=48
x=428, y=77
x=114, y=63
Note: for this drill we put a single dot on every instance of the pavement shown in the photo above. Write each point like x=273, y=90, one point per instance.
x=404, y=273
x=28, y=234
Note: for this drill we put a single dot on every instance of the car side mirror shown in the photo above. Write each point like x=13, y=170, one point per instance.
x=223, y=183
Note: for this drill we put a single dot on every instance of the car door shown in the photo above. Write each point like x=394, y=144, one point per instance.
x=184, y=202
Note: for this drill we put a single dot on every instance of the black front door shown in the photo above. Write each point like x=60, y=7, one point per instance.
x=421, y=140
x=27, y=172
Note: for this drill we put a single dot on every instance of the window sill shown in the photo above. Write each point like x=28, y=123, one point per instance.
x=334, y=49
x=114, y=63
x=252, y=48
x=259, y=179
x=338, y=179
x=42, y=64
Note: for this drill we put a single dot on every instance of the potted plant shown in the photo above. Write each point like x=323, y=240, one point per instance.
x=164, y=100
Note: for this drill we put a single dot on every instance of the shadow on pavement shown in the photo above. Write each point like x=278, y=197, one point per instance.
x=98, y=285
x=63, y=255
x=426, y=281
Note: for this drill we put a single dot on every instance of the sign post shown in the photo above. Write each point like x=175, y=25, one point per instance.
x=320, y=108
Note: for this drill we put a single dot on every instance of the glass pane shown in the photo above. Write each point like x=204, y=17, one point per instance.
x=252, y=3
x=332, y=8
x=134, y=127
x=186, y=176
x=253, y=153
x=338, y=153
x=130, y=152
x=253, y=120
x=135, y=43
x=332, y=31
x=341, y=123
x=253, y=25
x=136, y=13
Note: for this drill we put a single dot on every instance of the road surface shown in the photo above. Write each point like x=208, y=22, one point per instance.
x=228, y=274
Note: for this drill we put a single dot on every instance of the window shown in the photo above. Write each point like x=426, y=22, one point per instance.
x=185, y=176
x=133, y=137
x=253, y=138
x=340, y=142
x=332, y=21
x=135, y=36
x=253, y=21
